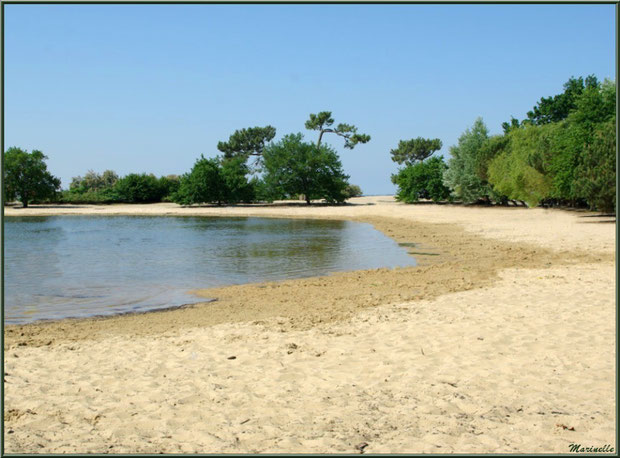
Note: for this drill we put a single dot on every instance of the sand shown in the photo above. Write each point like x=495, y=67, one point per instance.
x=502, y=342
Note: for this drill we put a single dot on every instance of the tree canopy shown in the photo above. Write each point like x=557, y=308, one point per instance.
x=558, y=107
x=323, y=122
x=294, y=167
x=462, y=177
x=596, y=173
x=247, y=142
x=414, y=150
x=26, y=177
x=520, y=171
x=94, y=181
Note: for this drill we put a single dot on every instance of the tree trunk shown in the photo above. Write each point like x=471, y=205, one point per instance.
x=25, y=203
x=318, y=143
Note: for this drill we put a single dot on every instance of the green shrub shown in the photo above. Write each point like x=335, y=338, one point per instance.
x=217, y=180
x=352, y=190
x=105, y=196
x=134, y=188
x=423, y=180
x=169, y=185
x=93, y=181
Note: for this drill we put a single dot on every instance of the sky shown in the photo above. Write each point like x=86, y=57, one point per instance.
x=149, y=88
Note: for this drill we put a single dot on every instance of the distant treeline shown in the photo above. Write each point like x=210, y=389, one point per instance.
x=563, y=153
x=288, y=169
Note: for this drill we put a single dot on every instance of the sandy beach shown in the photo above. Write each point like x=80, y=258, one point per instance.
x=501, y=340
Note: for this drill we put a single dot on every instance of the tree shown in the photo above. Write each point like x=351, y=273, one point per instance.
x=218, y=180
x=204, y=183
x=558, y=107
x=93, y=181
x=234, y=171
x=143, y=188
x=417, y=149
x=461, y=176
x=596, y=174
x=353, y=190
x=520, y=171
x=26, y=177
x=490, y=148
x=322, y=122
x=169, y=184
x=293, y=167
x=247, y=142
x=568, y=139
x=423, y=180
x=508, y=126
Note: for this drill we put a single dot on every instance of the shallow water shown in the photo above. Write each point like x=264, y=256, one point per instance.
x=76, y=266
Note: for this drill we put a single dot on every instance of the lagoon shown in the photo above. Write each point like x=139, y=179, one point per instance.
x=80, y=266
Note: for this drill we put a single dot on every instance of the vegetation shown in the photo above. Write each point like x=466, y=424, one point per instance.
x=562, y=153
x=558, y=107
x=169, y=186
x=218, y=180
x=93, y=181
x=462, y=175
x=26, y=177
x=294, y=167
x=323, y=121
x=411, y=151
x=135, y=188
x=423, y=180
x=247, y=142
x=596, y=176
x=519, y=171
x=352, y=190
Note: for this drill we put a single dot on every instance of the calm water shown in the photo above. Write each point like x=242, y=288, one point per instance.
x=72, y=266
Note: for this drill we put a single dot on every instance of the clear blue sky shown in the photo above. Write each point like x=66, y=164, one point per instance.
x=148, y=88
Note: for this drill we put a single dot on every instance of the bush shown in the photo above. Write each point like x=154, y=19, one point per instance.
x=135, y=188
x=261, y=191
x=169, y=185
x=423, y=180
x=106, y=196
x=216, y=180
x=93, y=181
x=352, y=190
x=202, y=184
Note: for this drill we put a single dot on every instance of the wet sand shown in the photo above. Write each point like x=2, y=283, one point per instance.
x=501, y=337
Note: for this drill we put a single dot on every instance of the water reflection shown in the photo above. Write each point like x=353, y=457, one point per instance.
x=79, y=266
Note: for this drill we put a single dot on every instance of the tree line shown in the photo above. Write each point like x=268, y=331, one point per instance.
x=252, y=168
x=562, y=153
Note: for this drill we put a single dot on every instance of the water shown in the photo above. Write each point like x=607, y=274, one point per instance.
x=77, y=266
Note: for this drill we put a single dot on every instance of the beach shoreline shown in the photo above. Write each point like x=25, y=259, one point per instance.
x=475, y=252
